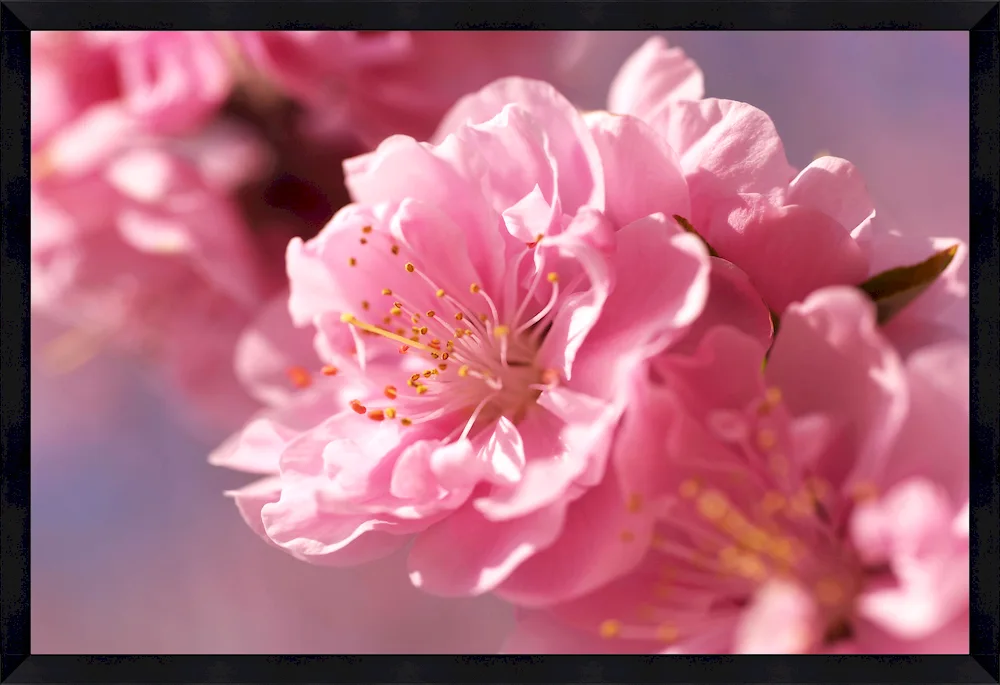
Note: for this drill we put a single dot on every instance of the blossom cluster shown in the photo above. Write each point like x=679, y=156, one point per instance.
x=629, y=370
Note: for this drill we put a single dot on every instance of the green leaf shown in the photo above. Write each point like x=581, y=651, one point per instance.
x=892, y=290
x=686, y=225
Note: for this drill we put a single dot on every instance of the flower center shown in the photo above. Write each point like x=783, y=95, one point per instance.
x=760, y=521
x=472, y=355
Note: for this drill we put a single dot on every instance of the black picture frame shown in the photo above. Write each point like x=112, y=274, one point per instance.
x=17, y=18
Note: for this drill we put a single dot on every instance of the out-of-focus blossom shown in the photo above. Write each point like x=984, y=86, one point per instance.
x=377, y=83
x=169, y=174
x=819, y=506
x=478, y=311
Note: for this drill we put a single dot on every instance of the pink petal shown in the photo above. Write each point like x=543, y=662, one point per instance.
x=550, y=465
x=601, y=540
x=725, y=148
x=467, y=555
x=781, y=619
x=654, y=74
x=651, y=304
x=834, y=187
x=830, y=358
x=505, y=452
x=933, y=442
x=642, y=174
x=446, y=176
x=788, y=251
x=296, y=524
x=732, y=301
x=250, y=499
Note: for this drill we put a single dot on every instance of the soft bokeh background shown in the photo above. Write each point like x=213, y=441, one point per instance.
x=134, y=549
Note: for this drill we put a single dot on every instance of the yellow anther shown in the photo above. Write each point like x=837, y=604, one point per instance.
x=423, y=330
x=553, y=277
x=354, y=321
x=406, y=422
x=396, y=311
x=399, y=331
x=634, y=502
x=351, y=261
x=443, y=367
x=435, y=355
x=445, y=355
x=365, y=305
x=474, y=288
x=415, y=318
x=829, y=592
x=772, y=396
x=427, y=374
x=390, y=412
x=459, y=317
x=394, y=249
x=421, y=389
x=329, y=370
x=463, y=370
x=501, y=331
x=376, y=415
x=366, y=229
x=864, y=491
x=666, y=633
x=388, y=319
x=430, y=313
x=409, y=267
x=712, y=505
x=729, y=556
x=483, y=317
x=390, y=392
x=299, y=376
x=627, y=536
x=386, y=291
x=689, y=488
x=781, y=549
x=766, y=439
x=750, y=566
x=610, y=628
x=440, y=292
x=772, y=503
x=364, y=241
x=357, y=407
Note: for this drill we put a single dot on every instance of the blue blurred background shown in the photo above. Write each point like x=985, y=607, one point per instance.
x=134, y=548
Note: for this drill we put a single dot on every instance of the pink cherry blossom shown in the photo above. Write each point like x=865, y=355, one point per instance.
x=821, y=506
x=377, y=83
x=791, y=232
x=482, y=311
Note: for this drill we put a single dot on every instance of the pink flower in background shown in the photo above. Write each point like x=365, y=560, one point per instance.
x=819, y=507
x=376, y=83
x=495, y=311
x=169, y=174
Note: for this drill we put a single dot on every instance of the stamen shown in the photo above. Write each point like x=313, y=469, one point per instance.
x=409, y=267
x=394, y=249
x=354, y=321
x=358, y=407
x=351, y=261
x=299, y=376
x=390, y=412
x=610, y=629
x=376, y=415
x=366, y=229
x=390, y=392
x=329, y=370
